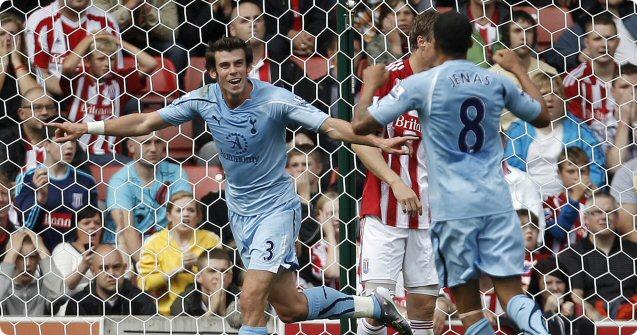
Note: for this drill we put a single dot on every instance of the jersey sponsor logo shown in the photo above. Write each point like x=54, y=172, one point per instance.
x=408, y=122
x=78, y=200
x=59, y=220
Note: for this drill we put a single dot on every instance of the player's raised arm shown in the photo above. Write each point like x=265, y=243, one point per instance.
x=125, y=126
x=510, y=61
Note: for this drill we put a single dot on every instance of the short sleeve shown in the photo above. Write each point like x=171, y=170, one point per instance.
x=520, y=103
x=623, y=186
x=401, y=99
x=296, y=111
x=119, y=195
x=182, y=110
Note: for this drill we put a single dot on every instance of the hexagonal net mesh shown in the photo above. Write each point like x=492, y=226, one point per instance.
x=152, y=231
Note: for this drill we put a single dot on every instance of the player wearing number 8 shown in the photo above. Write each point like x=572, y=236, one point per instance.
x=474, y=228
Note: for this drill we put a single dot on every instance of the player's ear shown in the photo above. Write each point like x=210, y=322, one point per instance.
x=213, y=74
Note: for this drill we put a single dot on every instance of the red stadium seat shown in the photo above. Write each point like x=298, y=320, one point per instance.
x=205, y=180
x=162, y=87
x=315, y=67
x=552, y=22
x=180, y=141
x=195, y=73
x=102, y=176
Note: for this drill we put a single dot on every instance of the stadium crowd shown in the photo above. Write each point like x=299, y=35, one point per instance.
x=111, y=226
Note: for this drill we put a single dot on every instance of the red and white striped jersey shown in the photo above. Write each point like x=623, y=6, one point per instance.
x=34, y=155
x=50, y=35
x=378, y=198
x=589, y=97
x=99, y=100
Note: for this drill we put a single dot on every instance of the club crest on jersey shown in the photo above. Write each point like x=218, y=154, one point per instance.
x=396, y=92
x=77, y=200
x=365, y=265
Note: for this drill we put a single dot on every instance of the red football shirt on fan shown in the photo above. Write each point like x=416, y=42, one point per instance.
x=378, y=198
x=99, y=100
x=50, y=35
x=588, y=98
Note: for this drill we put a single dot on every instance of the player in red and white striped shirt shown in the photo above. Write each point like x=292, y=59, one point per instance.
x=395, y=225
x=101, y=93
x=53, y=31
x=587, y=86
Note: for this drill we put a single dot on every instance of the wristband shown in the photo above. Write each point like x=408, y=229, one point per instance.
x=95, y=128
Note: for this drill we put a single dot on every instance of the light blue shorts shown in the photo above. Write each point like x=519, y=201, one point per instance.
x=492, y=244
x=267, y=241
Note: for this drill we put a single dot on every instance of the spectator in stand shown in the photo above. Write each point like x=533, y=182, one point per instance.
x=566, y=53
x=623, y=189
x=536, y=151
x=395, y=20
x=200, y=26
x=624, y=92
x=49, y=195
x=301, y=21
x=486, y=16
x=29, y=280
x=149, y=25
x=168, y=260
x=103, y=90
x=520, y=34
x=55, y=30
x=549, y=286
x=110, y=292
x=138, y=193
x=213, y=293
x=6, y=227
x=15, y=78
x=323, y=255
x=586, y=85
x=601, y=266
x=563, y=227
x=535, y=250
x=73, y=259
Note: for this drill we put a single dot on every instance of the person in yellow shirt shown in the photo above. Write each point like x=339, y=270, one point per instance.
x=168, y=258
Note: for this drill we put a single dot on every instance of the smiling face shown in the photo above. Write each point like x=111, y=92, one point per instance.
x=231, y=72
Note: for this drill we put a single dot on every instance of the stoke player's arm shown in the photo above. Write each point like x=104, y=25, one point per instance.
x=516, y=103
x=405, y=96
x=342, y=130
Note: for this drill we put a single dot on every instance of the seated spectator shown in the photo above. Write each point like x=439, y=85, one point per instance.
x=73, y=259
x=535, y=251
x=624, y=92
x=323, y=255
x=200, y=26
x=109, y=292
x=301, y=22
x=48, y=195
x=213, y=293
x=562, y=211
x=586, y=85
x=536, y=151
x=15, y=78
x=549, y=286
x=66, y=23
x=6, y=226
x=624, y=191
x=520, y=35
x=103, y=90
x=24, y=144
x=566, y=53
x=486, y=16
x=390, y=43
x=149, y=25
x=29, y=280
x=601, y=266
x=168, y=260
x=138, y=193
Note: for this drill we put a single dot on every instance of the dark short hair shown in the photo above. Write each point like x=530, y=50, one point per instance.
x=88, y=212
x=628, y=69
x=604, y=19
x=216, y=253
x=423, y=26
x=517, y=16
x=573, y=155
x=453, y=33
x=532, y=217
x=227, y=44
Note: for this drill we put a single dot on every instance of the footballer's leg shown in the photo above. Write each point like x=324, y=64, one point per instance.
x=502, y=258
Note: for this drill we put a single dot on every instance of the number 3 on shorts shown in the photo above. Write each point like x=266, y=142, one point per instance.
x=270, y=250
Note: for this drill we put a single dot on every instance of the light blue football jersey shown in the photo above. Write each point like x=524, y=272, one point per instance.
x=251, y=140
x=460, y=105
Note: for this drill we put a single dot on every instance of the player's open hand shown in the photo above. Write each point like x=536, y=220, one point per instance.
x=406, y=197
x=68, y=131
x=400, y=145
x=375, y=76
x=508, y=60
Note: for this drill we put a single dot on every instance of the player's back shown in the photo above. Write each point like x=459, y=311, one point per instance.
x=461, y=119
